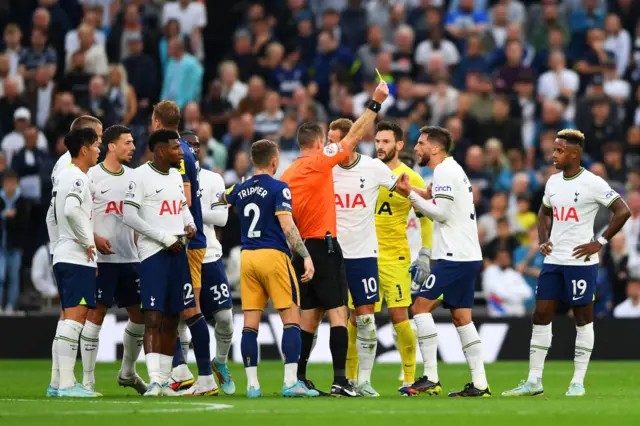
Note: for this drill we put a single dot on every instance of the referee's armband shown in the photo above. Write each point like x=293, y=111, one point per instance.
x=374, y=106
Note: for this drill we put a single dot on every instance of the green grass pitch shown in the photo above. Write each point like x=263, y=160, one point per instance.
x=613, y=398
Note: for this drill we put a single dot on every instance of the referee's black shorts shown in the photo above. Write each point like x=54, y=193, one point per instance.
x=328, y=288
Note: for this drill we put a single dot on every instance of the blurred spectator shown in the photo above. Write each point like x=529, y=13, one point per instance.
x=353, y=24
x=403, y=64
x=404, y=101
x=42, y=273
x=15, y=141
x=90, y=21
x=233, y=90
x=464, y=21
x=559, y=80
x=28, y=163
x=269, y=121
x=630, y=308
x=306, y=38
x=437, y=43
x=480, y=88
x=496, y=36
x=600, y=130
x=171, y=31
x=63, y=113
x=253, y=103
x=503, y=126
x=192, y=15
x=474, y=60
x=262, y=39
x=191, y=116
x=556, y=41
x=121, y=95
x=331, y=58
x=95, y=57
x=77, y=79
x=12, y=35
x=5, y=73
x=273, y=59
x=289, y=75
x=503, y=240
x=543, y=19
x=287, y=21
x=98, y=103
x=507, y=75
x=529, y=261
x=15, y=222
x=632, y=149
x=368, y=52
x=242, y=142
x=526, y=107
x=489, y=221
x=443, y=101
x=525, y=219
x=505, y=288
x=123, y=36
x=39, y=54
x=241, y=169
x=145, y=82
x=614, y=164
x=216, y=110
x=242, y=54
x=183, y=76
x=615, y=261
x=618, y=42
x=593, y=57
x=215, y=151
x=40, y=96
x=614, y=86
x=454, y=125
x=474, y=167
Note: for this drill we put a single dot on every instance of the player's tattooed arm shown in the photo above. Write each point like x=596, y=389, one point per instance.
x=544, y=227
x=295, y=241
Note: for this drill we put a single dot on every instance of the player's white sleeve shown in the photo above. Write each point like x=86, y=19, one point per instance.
x=51, y=223
x=429, y=208
x=217, y=213
x=187, y=217
x=386, y=177
x=131, y=218
x=74, y=214
x=602, y=192
x=546, y=200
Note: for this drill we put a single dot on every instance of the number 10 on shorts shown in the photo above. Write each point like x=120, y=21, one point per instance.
x=370, y=285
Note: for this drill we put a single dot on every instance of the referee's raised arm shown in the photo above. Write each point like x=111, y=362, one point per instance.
x=310, y=179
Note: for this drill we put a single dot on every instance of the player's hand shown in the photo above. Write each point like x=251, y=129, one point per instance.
x=191, y=232
x=309, y=270
x=546, y=248
x=381, y=93
x=103, y=245
x=403, y=187
x=428, y=193
x=10, y=213
x=91, y=253
x=587, y=250
x=421, y=268
x=176, y=247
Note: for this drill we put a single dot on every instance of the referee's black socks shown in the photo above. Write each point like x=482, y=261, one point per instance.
x=305, y=352
x=338, y=343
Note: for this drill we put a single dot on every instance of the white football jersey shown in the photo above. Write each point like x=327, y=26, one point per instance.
x=456, y=238
x=72, y=182
x=211, y=188
x=108, y=203
x=356, y=193
x=575, y=202
x=52, y=226
x=159, y=198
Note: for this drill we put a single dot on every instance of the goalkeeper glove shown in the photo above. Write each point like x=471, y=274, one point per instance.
x=421, y=268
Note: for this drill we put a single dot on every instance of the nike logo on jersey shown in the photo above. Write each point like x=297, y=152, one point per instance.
x=105, y=191
x=159, y=190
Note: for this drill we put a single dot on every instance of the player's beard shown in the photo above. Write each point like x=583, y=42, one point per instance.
x=424, y=160
x=388, y=156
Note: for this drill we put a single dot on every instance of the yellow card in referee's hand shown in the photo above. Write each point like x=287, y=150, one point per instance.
x=379, y=76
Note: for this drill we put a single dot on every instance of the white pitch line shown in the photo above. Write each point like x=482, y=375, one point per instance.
x=186, y=407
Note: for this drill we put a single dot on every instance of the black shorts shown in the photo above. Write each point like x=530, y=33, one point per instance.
x=328, y=288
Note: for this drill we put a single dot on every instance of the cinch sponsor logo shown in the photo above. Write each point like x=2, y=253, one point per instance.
x=442, y=188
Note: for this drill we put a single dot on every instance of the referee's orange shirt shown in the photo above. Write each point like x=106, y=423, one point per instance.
x=313, y=197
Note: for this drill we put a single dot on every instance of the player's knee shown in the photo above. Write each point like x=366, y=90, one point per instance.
x=97, y=315
x=582, y=317
x=461, y=317
x=152, y=320
x=135, y=315
x=337, y=317
x=541, y=318
x=77, y=314
x=170, y=323
x=190, y=312
x=398, y=315
x=224, y=319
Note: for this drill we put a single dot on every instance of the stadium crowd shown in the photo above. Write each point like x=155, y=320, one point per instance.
x=502, y=76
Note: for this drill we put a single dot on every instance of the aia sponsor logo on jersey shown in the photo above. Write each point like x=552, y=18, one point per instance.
x=349, y=201
x=115, y=208
x=565, y=214
x=172, y=207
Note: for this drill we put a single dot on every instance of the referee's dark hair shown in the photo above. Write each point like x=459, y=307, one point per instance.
x=77, y=138
x=572, y=136
x=113, y=133
x=398, y=134
x=262, y=152
x=161, y=136
x=308, y=133
x=439, y=135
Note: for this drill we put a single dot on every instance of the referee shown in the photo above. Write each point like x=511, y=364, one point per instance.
x=311, y=182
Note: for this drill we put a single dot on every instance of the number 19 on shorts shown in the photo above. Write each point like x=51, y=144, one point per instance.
x=579, y=288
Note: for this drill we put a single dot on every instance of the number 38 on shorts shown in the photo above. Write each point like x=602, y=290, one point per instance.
x=572, y=284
